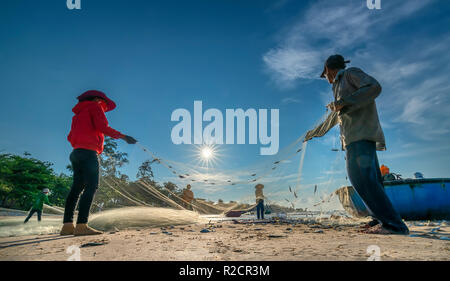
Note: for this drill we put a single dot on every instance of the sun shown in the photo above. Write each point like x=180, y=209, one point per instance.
x=207, y=155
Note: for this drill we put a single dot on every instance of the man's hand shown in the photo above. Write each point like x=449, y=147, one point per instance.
x=129, y=140
x=335, y=107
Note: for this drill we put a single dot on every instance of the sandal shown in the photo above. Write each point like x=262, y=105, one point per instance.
x=370, y=224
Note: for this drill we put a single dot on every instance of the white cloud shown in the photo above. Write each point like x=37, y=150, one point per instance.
x=325, y=28
x=415, y=81
x=289, y=64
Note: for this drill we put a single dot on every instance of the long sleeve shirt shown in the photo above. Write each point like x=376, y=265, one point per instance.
x=356, y=91
x=39, y=201
x=89, y=127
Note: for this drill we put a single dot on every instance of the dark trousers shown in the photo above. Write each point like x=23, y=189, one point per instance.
x=85, y=164
x=365, y=176
x=260, y=209
x=39, y=214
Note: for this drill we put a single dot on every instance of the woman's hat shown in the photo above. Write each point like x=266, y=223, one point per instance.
x=97, y=94
x=259, y=185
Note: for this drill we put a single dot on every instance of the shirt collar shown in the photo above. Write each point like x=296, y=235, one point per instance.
x=338, y=75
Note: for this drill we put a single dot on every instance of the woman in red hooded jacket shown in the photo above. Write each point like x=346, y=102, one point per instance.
x=89, y=125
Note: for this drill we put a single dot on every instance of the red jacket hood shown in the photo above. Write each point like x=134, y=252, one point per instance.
x=84, y=105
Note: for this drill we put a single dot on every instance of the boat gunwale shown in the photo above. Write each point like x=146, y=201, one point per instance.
x=416, y=181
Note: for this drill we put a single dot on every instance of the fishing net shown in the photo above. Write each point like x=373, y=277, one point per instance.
x=110, y=220
x=16, y=227
x=143, y=203
x=279, y=173
x=138, y=217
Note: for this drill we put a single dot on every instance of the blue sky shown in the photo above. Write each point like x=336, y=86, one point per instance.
x=153, y=57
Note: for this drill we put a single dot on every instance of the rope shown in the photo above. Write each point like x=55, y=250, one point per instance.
x=132, y=200
x=195, y=173
x=252, y=178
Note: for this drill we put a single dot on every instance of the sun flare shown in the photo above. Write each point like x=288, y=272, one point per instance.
x=207, y=155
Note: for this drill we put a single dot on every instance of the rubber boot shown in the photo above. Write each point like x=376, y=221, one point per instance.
x=67, y=229
x=84, y=229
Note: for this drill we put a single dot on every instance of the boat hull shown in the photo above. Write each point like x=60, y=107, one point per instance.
x=413, y=199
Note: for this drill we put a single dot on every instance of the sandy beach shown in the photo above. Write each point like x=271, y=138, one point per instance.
x=229, y=241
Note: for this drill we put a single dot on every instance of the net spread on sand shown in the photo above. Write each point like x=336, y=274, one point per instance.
x=114, y=219
x=137, y=217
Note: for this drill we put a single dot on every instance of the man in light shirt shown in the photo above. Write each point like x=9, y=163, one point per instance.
x=259, y=200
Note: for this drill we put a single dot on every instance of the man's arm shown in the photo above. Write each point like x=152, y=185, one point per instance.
x=368, y=89
x=322, y=129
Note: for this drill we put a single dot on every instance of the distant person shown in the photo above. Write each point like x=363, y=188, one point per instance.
x=38, y=204
x=354, y=109
x=100, y=206
x=89, y=125
x=386, y=174
x=259, y=201
x=384, y=170
x=188, y=197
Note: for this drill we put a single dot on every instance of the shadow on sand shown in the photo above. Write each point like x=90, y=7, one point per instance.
x=22, y=242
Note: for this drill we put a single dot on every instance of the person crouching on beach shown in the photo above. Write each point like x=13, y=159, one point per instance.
x=355, y=110
x=38, y=204
x=259, y=201
x=89, y=125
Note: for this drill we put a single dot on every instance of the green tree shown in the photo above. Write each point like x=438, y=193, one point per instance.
x=111, y=160
x=145, y=171
x=21, y=178
x=4, y=191
x=60, y=188
x=171, y=186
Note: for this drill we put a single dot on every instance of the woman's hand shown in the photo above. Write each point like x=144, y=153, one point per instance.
x=129, y=140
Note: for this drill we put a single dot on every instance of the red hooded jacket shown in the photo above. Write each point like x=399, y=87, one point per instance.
x=89, y=125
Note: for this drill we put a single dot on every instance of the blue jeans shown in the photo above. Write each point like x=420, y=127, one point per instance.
x=365, y=176
x=260, y=209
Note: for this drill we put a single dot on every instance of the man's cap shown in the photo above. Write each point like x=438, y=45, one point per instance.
x=98, y=94
x=335, y=62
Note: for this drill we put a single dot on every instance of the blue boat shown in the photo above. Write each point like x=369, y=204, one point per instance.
x=414, y=199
